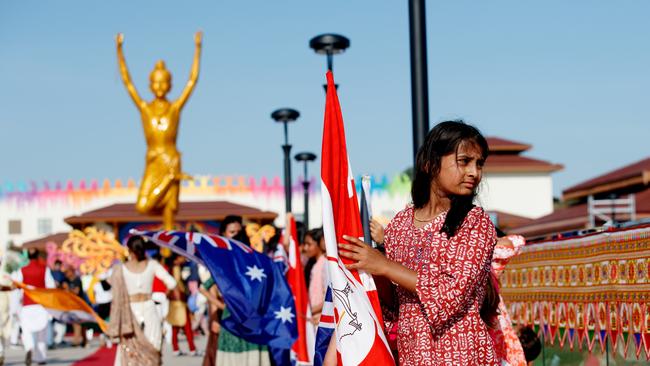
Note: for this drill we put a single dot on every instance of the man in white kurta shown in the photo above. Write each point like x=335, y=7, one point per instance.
x=34, y=319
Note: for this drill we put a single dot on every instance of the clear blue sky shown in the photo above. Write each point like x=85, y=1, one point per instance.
x=572, y=78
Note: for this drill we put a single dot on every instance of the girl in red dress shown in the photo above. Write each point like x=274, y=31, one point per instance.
x=438, y=253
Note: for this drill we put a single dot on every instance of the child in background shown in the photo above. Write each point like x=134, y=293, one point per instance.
x=530, y=343
x=315, y=250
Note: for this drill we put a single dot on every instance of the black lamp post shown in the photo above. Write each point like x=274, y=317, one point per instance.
x=306, y=157
x=284, y=116
x=419, y=78
x=329, y=44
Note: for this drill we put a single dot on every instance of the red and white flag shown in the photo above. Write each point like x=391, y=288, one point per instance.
x=360, y=339
x=302, y=352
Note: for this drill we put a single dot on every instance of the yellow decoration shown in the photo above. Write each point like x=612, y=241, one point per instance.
x=165, y=252
x=259, y=235
x=91, y=289
x=96, y=248
x=160, y=184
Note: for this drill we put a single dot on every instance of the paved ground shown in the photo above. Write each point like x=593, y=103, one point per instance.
x=69, y=355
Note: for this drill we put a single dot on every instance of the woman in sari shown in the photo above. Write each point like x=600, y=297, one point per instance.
x=134, y=319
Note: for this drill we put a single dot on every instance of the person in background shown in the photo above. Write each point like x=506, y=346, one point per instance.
x=58, y=328
x=198, y=305
x=308, y=263
x=57, y=273
x=74, y=284
x=196, y=302
x=5, y=320
x=215, y=308
x=15, y=305
x=231, y=227
x=233, y=350
x=102, y=299
x=34, y=319
x=530, y=343
x=317, y=285
x=159, y=297
x=179, y=314
x=134, y=319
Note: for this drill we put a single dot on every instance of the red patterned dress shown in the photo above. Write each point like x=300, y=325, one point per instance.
x=441, y=324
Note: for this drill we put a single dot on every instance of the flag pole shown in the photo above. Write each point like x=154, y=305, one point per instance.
x=366, y=210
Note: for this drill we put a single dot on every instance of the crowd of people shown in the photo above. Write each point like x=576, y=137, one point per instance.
x=440, y=258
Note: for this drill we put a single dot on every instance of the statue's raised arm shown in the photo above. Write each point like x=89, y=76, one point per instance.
x=124, y=72
x=194, y=73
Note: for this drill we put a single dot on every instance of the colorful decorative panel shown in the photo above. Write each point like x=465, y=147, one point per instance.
x=84, y=191
x=584, y=291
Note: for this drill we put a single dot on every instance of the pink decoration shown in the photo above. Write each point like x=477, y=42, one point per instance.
x=67, y=259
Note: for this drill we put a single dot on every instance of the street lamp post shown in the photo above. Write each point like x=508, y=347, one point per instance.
x=306, y=157
x=284, y=116
x=329, y=44
x=419, y=78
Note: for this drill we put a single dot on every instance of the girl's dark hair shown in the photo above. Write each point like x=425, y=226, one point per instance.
x=136, y=245
x=242, y=237
x=229, y=220
x=33, y=253
x=316, y=234
x=529, y=342
x=490, y=307
x=445, y=138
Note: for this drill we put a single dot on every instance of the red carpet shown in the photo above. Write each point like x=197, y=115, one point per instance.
x=103, y=356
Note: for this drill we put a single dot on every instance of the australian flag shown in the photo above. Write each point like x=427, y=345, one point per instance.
x=262, y=309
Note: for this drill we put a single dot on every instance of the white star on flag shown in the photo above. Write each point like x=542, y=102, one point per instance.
x=255, y=273
x=284, y=314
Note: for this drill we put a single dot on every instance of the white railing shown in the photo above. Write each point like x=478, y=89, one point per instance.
x=609, y=209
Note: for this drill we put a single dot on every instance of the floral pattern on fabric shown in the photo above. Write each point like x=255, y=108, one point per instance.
x=505, y=338
x=441, y=323
x=503, y=254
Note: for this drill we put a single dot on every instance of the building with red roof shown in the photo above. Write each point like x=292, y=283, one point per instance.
x=631, y=181
x=516, y=188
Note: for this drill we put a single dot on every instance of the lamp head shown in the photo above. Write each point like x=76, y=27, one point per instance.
x=285, y=115
x=305, y=156
x=329, y=43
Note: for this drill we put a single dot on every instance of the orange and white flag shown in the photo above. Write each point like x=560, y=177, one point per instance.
x=63, y=305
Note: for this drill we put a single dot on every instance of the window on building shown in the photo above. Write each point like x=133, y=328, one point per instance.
x=44, y=226
x=15, y=227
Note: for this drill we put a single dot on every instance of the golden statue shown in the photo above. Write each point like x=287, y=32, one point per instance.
x=160, y=184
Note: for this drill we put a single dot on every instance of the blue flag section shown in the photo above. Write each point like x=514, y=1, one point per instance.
x=256, y=293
